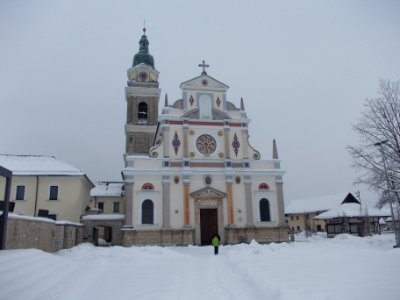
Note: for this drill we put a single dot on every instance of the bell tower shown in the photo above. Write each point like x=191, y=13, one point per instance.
x=142, y=97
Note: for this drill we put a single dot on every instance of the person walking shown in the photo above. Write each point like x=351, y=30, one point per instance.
x=215, y=242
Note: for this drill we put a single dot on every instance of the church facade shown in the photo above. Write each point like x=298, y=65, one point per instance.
x=190, y=171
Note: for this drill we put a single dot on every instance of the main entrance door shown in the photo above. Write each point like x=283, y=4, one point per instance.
x=208, y=225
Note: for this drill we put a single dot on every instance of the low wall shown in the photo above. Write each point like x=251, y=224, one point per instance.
x=164, y=237
x=115, y=225
x=235, y=235
x=25, y=232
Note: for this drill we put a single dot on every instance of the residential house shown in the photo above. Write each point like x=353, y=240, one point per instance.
x=45, y=186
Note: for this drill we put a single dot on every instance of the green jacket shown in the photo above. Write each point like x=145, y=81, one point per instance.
x=215, y=241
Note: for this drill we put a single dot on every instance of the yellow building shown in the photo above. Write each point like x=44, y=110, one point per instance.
x=300, y=213
x=45, y=186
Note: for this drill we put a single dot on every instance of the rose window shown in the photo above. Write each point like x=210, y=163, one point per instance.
x=206, y=144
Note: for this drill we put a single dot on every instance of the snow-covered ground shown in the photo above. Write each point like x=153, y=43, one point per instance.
x=345, y=267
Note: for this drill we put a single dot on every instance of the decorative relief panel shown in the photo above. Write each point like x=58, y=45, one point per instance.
x=176, y=143
x=235, y=144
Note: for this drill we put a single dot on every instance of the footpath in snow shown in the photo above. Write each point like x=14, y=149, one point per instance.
x=345, y=267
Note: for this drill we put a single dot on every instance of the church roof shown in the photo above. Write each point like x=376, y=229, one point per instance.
x=318, y=203
x=37, y=165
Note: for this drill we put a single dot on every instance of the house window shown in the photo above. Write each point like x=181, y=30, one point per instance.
x=20, y=194
x=265, y=215
x=307, y=217
x=53, y=192
x=147, y=212
x=116, y=207
x=291, y=218
x=142, y=111
x=298, y=228
x=100, y=205
x=297, y=218
x=52, y=216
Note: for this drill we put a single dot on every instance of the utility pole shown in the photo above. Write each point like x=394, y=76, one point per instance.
x=394, y=221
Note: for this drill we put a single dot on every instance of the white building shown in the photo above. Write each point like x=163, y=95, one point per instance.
x=191, y=172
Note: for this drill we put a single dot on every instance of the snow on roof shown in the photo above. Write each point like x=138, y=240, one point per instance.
x=352, y=210
x=37, y=165
x=107, y=189
x=104, y=217
x=318, y=203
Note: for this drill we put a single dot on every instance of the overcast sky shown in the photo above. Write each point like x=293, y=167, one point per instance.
x=303, y=68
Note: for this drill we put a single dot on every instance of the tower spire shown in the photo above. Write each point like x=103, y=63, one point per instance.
x=274, y=150
x=143, y=56
x=241, y=104
x=166, y=100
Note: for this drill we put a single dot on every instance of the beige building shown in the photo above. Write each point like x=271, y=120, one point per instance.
x=107, y=197
x=45, y=186
x=301, y=213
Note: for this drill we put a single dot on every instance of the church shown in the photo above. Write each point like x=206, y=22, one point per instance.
x=190, y=170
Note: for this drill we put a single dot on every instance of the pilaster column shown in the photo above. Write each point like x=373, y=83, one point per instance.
x=129, y=203
x=279, y=196
x=229, y=197
x=249, y=201
x=186, y=203
x=226, y=140
x=166, y=202
x=245, y=143
x=185, y=139
x=166, y=141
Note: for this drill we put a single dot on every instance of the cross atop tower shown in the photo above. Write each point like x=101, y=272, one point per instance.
x=204, y=66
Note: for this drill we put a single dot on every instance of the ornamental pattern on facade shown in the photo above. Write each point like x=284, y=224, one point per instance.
x=236, y=144
x=176, y=143
x=206, y=144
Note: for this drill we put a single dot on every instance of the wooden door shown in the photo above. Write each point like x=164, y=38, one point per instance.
x=208, y=225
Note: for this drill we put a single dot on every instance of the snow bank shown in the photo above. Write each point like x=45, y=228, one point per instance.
x=345, y=267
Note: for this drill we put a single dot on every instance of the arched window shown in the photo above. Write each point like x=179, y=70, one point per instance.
x=147, y=186
x=142, y=111
x=147, y=212
x=265, y=215
x=263, y=186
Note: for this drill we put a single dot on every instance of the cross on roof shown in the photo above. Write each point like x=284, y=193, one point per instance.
x=204, y=66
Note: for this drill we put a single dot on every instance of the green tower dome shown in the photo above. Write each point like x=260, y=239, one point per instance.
x=143, y=56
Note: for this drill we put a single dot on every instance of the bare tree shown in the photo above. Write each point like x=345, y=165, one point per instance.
x=380, y=121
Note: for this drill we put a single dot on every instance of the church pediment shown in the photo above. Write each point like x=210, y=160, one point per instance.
x=204, y=82
x=207, y=193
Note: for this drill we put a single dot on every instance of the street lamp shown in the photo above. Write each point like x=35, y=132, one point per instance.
x=394, y=222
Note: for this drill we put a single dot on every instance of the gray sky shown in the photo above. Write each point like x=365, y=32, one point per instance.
x=303, y=68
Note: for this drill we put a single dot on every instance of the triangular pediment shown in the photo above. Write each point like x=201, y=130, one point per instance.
x=208, y=193
x=204, y=82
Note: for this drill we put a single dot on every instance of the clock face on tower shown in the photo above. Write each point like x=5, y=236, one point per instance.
x=206, y=144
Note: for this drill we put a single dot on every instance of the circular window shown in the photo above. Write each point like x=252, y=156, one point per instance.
x=206, y=144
